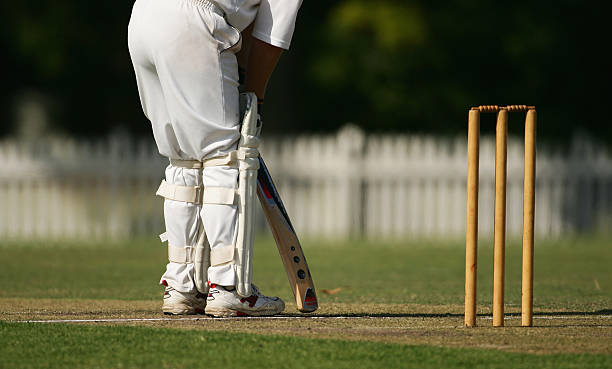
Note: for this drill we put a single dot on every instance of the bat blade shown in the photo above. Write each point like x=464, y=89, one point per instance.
x=287, y=241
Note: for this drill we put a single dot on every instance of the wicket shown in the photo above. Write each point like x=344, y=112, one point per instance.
x=471, y=240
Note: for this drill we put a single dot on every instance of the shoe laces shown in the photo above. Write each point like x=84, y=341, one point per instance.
x=255, y=290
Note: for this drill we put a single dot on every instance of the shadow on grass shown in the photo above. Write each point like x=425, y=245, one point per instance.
x=449, y=315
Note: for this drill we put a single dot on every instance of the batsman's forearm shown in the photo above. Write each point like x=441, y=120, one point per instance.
x=261, y=62
x=243, y=54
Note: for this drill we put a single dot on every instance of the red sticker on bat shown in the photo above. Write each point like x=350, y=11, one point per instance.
x=266, y=191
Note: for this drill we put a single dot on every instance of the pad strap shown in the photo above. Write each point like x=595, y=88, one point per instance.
x=222, y=254
x=181, y=255
x=197, y=194
x=219, y=195
x=229, y=159
x=175, y=192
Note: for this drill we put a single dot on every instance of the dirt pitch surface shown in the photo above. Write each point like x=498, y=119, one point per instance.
x=553, y=331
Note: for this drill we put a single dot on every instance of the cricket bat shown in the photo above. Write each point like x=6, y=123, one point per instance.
x=287, y=241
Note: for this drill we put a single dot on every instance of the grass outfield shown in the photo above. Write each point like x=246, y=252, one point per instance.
x=69, y=346
x=414, y=291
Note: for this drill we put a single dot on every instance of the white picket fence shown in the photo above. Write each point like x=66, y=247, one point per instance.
x=334, y=186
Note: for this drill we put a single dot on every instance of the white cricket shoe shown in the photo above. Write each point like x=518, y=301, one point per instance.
x=224, y=303
x=180, y=303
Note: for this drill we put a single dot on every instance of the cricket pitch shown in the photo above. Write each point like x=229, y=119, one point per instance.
x=412, y=324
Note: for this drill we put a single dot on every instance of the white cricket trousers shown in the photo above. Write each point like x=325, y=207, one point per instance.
x=183, y=52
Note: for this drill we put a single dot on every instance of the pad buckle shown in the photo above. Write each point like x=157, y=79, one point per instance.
x=199, y=195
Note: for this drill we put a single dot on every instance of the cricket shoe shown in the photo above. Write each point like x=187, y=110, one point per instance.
x=181, y=303
x=224, y=303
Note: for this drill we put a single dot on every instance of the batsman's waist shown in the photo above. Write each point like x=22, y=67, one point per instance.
x=210, y=5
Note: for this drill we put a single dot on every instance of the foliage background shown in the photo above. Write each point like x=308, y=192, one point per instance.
x=389, y=65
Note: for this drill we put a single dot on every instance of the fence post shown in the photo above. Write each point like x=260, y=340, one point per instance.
x=336, y=186
x=351, y=143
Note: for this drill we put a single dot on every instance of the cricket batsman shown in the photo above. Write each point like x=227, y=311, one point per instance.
x=190, y=57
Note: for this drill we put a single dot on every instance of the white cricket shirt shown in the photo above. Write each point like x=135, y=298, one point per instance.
x=274, y=19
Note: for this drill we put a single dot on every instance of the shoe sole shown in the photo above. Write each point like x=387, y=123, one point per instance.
x=182, y=310
x=229, y=313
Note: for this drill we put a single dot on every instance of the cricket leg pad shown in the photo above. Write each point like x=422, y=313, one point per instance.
x=182, y=230
x=248, y=165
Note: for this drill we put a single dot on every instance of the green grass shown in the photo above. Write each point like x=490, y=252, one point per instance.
x=570, y=274
x=69, y=346
x=434, y=273
x=128, y=271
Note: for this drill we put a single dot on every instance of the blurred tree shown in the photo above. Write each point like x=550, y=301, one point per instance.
x=418, y=65
x=392, y=65
x=76, y=54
